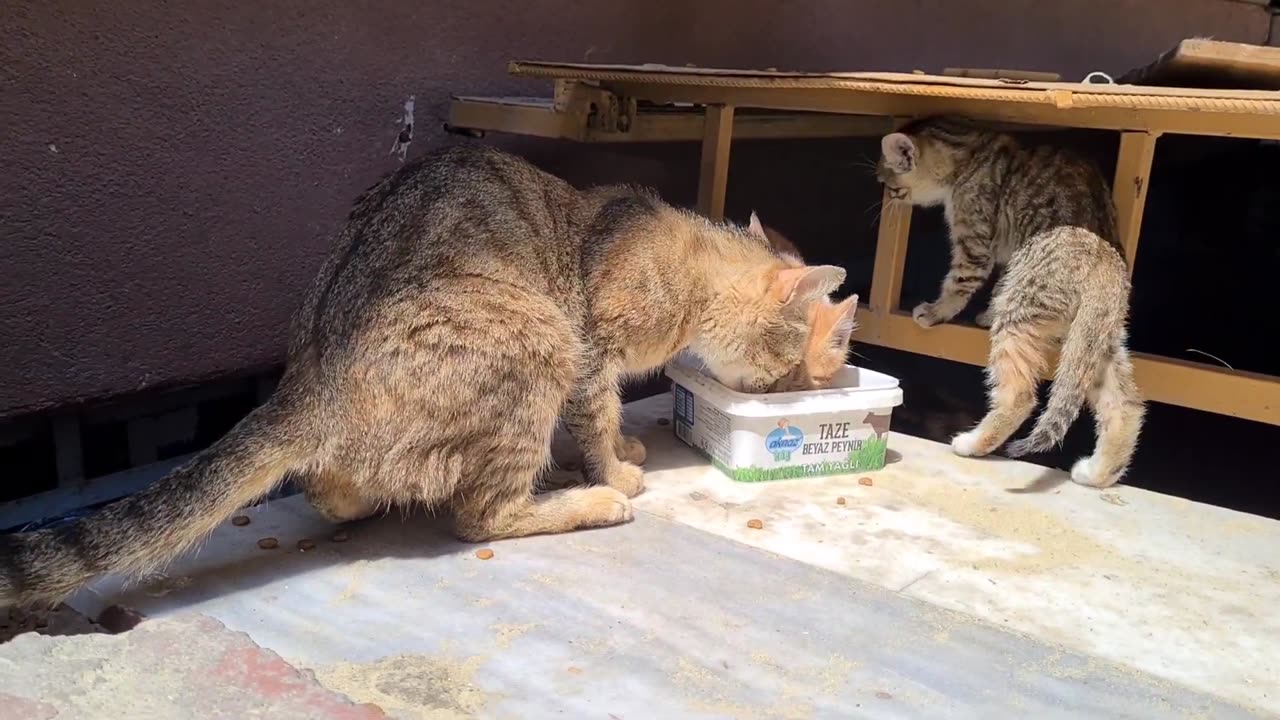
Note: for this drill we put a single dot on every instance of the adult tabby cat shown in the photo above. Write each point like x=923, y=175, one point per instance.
x=1047, y=217
x=471, y=300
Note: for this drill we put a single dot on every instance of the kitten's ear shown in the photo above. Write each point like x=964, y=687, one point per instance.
x=805, y=284
x=899, y=152
x=845, y=322
x=756, y=228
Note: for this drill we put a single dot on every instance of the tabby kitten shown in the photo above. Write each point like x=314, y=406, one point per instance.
x=470, y=301
x=1046, y=217
x=831, y=325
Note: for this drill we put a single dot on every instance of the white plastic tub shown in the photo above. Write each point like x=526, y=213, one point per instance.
x=755, y=438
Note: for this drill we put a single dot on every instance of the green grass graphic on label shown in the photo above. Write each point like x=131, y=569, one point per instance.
x=870, y=456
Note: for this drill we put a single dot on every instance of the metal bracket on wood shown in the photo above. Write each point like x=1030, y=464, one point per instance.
x=599, y=109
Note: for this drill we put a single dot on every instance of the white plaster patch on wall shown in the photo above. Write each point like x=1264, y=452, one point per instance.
x=400, y=147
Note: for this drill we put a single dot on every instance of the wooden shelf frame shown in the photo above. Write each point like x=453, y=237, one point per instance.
x=1140, y=115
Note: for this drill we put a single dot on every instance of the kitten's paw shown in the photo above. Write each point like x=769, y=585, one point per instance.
x=604, y=506
x=1085, y=472
x=627, y=479
x=631, y=450
x=984, y=319
x=926, y=315
x=968, y=444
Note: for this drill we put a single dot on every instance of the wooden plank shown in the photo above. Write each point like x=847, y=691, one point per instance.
x=519, y=117
x=1250, y=396
x=538, y=117
x=1211, y=64
x=1225, y=123
x=1129, y=189
x=996, y=74
x=713, y=171
x=891, y=257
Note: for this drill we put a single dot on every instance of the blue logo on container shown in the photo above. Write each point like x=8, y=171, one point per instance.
x=782, y=442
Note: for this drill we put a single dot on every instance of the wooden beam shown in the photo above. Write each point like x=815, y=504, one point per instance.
x=1129, y=189
x=713, y=173
x=1250, y=396
x=1224, y=123
x=538, y=117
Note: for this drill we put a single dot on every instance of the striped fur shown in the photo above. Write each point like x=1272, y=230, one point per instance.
x=470, y=303
x=1046, y=217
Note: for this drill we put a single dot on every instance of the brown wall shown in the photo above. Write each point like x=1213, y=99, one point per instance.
x=169, y=174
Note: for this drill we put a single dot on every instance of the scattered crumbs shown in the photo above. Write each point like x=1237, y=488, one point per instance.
x=883, y=695
x=664, y=421
x=240, y=520
x=268, y=543
x=840, y=500
x=504, y=634
x=755, y=524
x=695, y=495
x=1114, y=499
x=306, y=544
x=341, y=536
x=484, y=554
x=412, y=687
x=866, y=481
x=573, y=670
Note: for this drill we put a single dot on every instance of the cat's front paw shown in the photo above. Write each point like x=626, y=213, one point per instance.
x=926, y=315
x=984, y=319
x=626, y=478
x=630, y=449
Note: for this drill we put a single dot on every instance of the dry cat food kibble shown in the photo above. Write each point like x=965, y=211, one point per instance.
x=865, y=481
x=306, y=544
x=664, y=421
x=755, y=524
x=840, y=500
x=240, y=520
x=268, y=543
x=341, y=536
x=485, y=554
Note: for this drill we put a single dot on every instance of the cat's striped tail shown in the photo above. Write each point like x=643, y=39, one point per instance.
x=1089, y=345
x=146, y=530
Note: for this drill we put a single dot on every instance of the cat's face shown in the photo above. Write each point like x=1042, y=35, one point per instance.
x=914, y=169
x=758, y=329
x=826, y=348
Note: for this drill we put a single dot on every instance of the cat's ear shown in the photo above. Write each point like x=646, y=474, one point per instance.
x=804, y=284
x=899, y=152
x=845, y=322
x=756, y=228
x=780, y=243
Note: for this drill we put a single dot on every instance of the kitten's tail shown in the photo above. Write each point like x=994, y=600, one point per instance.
x=146, y=530
x=1089, y=344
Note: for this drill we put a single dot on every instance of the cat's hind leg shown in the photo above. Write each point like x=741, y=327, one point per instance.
x=1118, y=412
x=334, y=497
x=1019, y=356
x=501, y=503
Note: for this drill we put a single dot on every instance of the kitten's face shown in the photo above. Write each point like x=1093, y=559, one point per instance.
x=758, y=329
x=913, y=169
x=826, y=348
